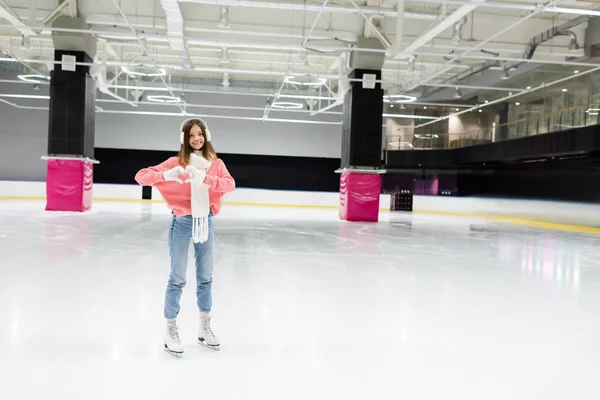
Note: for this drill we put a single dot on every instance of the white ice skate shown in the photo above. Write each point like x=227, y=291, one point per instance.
x=173, y=345
x=206, y=337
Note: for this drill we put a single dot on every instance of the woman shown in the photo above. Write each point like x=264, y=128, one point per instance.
x=192, y=185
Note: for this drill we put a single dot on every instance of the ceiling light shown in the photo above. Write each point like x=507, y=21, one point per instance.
x=573, y=45
x=576, y=71
x=411, y=63
x=517, y=104
x=161, y=72
x=426, y=136
x=328, y=45
x=480, y=110
x=592, y=111
x=425, y=108
x=286, y=105
x=224, y=20
x=505, y=75
x=409, y=116
x=305, y=80
x=457, y=109
x=401, y=144
x=487, y=101
x=164, y=99
x=528, y=87
x=225, y=82
x=399, y=98
x=564, y=90
x=225, y=56
x=33, y=78
x=457, y=95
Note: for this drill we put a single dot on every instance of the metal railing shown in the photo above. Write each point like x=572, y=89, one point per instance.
x=538, y=123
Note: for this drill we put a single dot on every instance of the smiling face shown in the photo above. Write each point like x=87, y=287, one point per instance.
x=195, y=141
x=196, y=138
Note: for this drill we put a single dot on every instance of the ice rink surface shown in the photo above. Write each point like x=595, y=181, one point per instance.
x=305, y=306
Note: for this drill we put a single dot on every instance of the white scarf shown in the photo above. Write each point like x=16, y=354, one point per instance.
x=200, y=201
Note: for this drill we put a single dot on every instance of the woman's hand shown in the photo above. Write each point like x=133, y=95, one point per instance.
x=196, y=175
x=173, y=174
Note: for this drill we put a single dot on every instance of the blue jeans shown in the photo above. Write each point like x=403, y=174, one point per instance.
x=180, y=237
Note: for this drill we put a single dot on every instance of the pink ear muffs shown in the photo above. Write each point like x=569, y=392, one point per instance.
x=204, y=128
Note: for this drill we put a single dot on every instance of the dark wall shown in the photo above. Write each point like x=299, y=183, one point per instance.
x=249, y=171
x=556, y=166
x=577, y=141
x=570, y=180
x=567, y=179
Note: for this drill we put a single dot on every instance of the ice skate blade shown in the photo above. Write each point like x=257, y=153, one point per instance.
x=202, y=342
x=174, y=353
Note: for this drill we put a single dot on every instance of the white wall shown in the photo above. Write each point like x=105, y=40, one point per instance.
x=229, y=136
x=24, y=133
x=468, y=123
x=23, y=140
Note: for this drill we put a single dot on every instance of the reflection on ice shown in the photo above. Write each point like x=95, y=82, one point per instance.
x=306, y=306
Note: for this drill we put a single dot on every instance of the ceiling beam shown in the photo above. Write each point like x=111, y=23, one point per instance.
x=7, y=13
x=301, y=6
x=438, y=29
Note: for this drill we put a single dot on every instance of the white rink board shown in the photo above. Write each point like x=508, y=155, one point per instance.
x=240, y=195
x=552, y=211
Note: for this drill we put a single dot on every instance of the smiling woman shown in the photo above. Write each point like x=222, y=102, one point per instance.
x=192, y=185
x=195, y=137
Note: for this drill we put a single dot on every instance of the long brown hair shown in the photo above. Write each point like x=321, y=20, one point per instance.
x=208, y=151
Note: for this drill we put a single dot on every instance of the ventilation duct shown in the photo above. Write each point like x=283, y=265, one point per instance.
x=367, y=60
x=175, y=30
x=493, y=72
x=74, y=41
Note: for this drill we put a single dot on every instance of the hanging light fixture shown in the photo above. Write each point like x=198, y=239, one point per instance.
x=225, y=56
x=163, y=99
x=34, y=78
x=225, y=82
x=286, y=105
x=411, y=63
x=224, y=18
x=573, y=45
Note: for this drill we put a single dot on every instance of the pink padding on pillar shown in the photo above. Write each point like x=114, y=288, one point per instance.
x=69, y=185
x=359, y=197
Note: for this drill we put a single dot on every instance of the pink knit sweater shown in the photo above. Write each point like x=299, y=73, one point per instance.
x=177, y=196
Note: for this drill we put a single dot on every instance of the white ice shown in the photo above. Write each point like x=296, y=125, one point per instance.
x=305, y=306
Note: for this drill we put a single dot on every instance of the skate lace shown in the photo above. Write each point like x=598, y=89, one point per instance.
x=207, y=329
x=174, y=333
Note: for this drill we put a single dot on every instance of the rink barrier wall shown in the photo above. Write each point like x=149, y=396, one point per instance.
x=583, y=217
x=241, y=196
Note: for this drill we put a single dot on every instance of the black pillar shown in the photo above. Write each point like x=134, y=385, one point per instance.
x=70, y=173
x=362, y=122
x=72, y=108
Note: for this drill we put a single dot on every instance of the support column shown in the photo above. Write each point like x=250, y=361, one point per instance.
x=71, y=122
x=360, y=180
